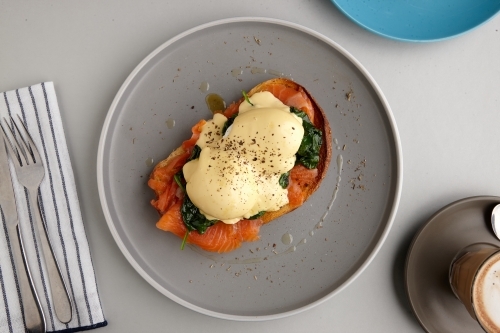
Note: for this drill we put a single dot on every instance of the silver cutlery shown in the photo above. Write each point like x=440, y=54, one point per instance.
x=30, y=303
x=30, y=172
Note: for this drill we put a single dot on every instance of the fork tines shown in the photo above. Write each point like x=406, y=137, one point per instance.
x=17, y=136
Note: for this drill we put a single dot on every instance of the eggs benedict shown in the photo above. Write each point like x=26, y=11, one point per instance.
x=260, y=158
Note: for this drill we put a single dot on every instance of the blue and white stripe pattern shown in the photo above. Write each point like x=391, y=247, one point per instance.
x=38, y=108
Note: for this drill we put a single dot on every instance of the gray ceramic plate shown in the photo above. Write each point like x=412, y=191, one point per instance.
x=336, y=233
x=457, y=225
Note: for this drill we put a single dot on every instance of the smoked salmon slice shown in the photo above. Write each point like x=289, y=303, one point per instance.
x=162, y=178
x=196, y=130
x=162, y=182
x=231, y=110
x=220, y=237
x=292, y=97
x=300, y=179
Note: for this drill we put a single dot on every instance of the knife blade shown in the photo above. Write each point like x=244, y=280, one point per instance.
x=30, y=303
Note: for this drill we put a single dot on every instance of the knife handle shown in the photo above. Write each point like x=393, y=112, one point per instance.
x=30, y=303
x=60, y=293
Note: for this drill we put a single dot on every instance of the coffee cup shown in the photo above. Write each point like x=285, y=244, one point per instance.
x=474, y=277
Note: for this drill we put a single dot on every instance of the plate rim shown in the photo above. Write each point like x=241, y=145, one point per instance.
x=415, y=40
x=398, y=170
x=428, y=222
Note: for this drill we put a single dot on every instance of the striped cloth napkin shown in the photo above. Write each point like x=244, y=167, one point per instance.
x=59, y=206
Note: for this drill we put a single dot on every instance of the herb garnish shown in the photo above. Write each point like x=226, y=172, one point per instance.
x=191, y=215
x=246, y=97
x=178, y=179
x=308, y=153
x=179, y=176
x=228, y=123
x=284, y=180
x=256, y=216
x=184, y=240
x=193, y=218
x=195, y=153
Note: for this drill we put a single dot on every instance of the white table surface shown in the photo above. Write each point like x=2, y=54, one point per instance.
x=445, y=97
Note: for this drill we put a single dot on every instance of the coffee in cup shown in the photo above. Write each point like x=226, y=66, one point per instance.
x=475, y=280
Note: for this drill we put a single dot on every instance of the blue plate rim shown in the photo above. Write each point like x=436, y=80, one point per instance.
x=421, y=40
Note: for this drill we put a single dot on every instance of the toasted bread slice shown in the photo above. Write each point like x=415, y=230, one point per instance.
x=319, y=120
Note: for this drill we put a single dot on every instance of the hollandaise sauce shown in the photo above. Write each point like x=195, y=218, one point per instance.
x=237, y=173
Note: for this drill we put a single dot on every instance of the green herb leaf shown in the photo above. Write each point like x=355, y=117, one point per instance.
x=299, y=113
x=195, y=153
x=179, y=177
x=284, y=180
x=308, y=153
x=309, y=162
x=256, y=216
x=184, y=240
x=193, y=218
x=246, y=97
x=228, y=123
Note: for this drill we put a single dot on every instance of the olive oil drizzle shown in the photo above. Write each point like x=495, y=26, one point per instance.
x=215, y=103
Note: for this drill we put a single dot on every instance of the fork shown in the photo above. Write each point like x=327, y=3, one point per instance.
x=30, y=172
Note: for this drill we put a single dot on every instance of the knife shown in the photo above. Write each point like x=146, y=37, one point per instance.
x=30, y=303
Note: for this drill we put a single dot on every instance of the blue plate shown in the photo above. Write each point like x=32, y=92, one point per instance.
x=419, y=20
